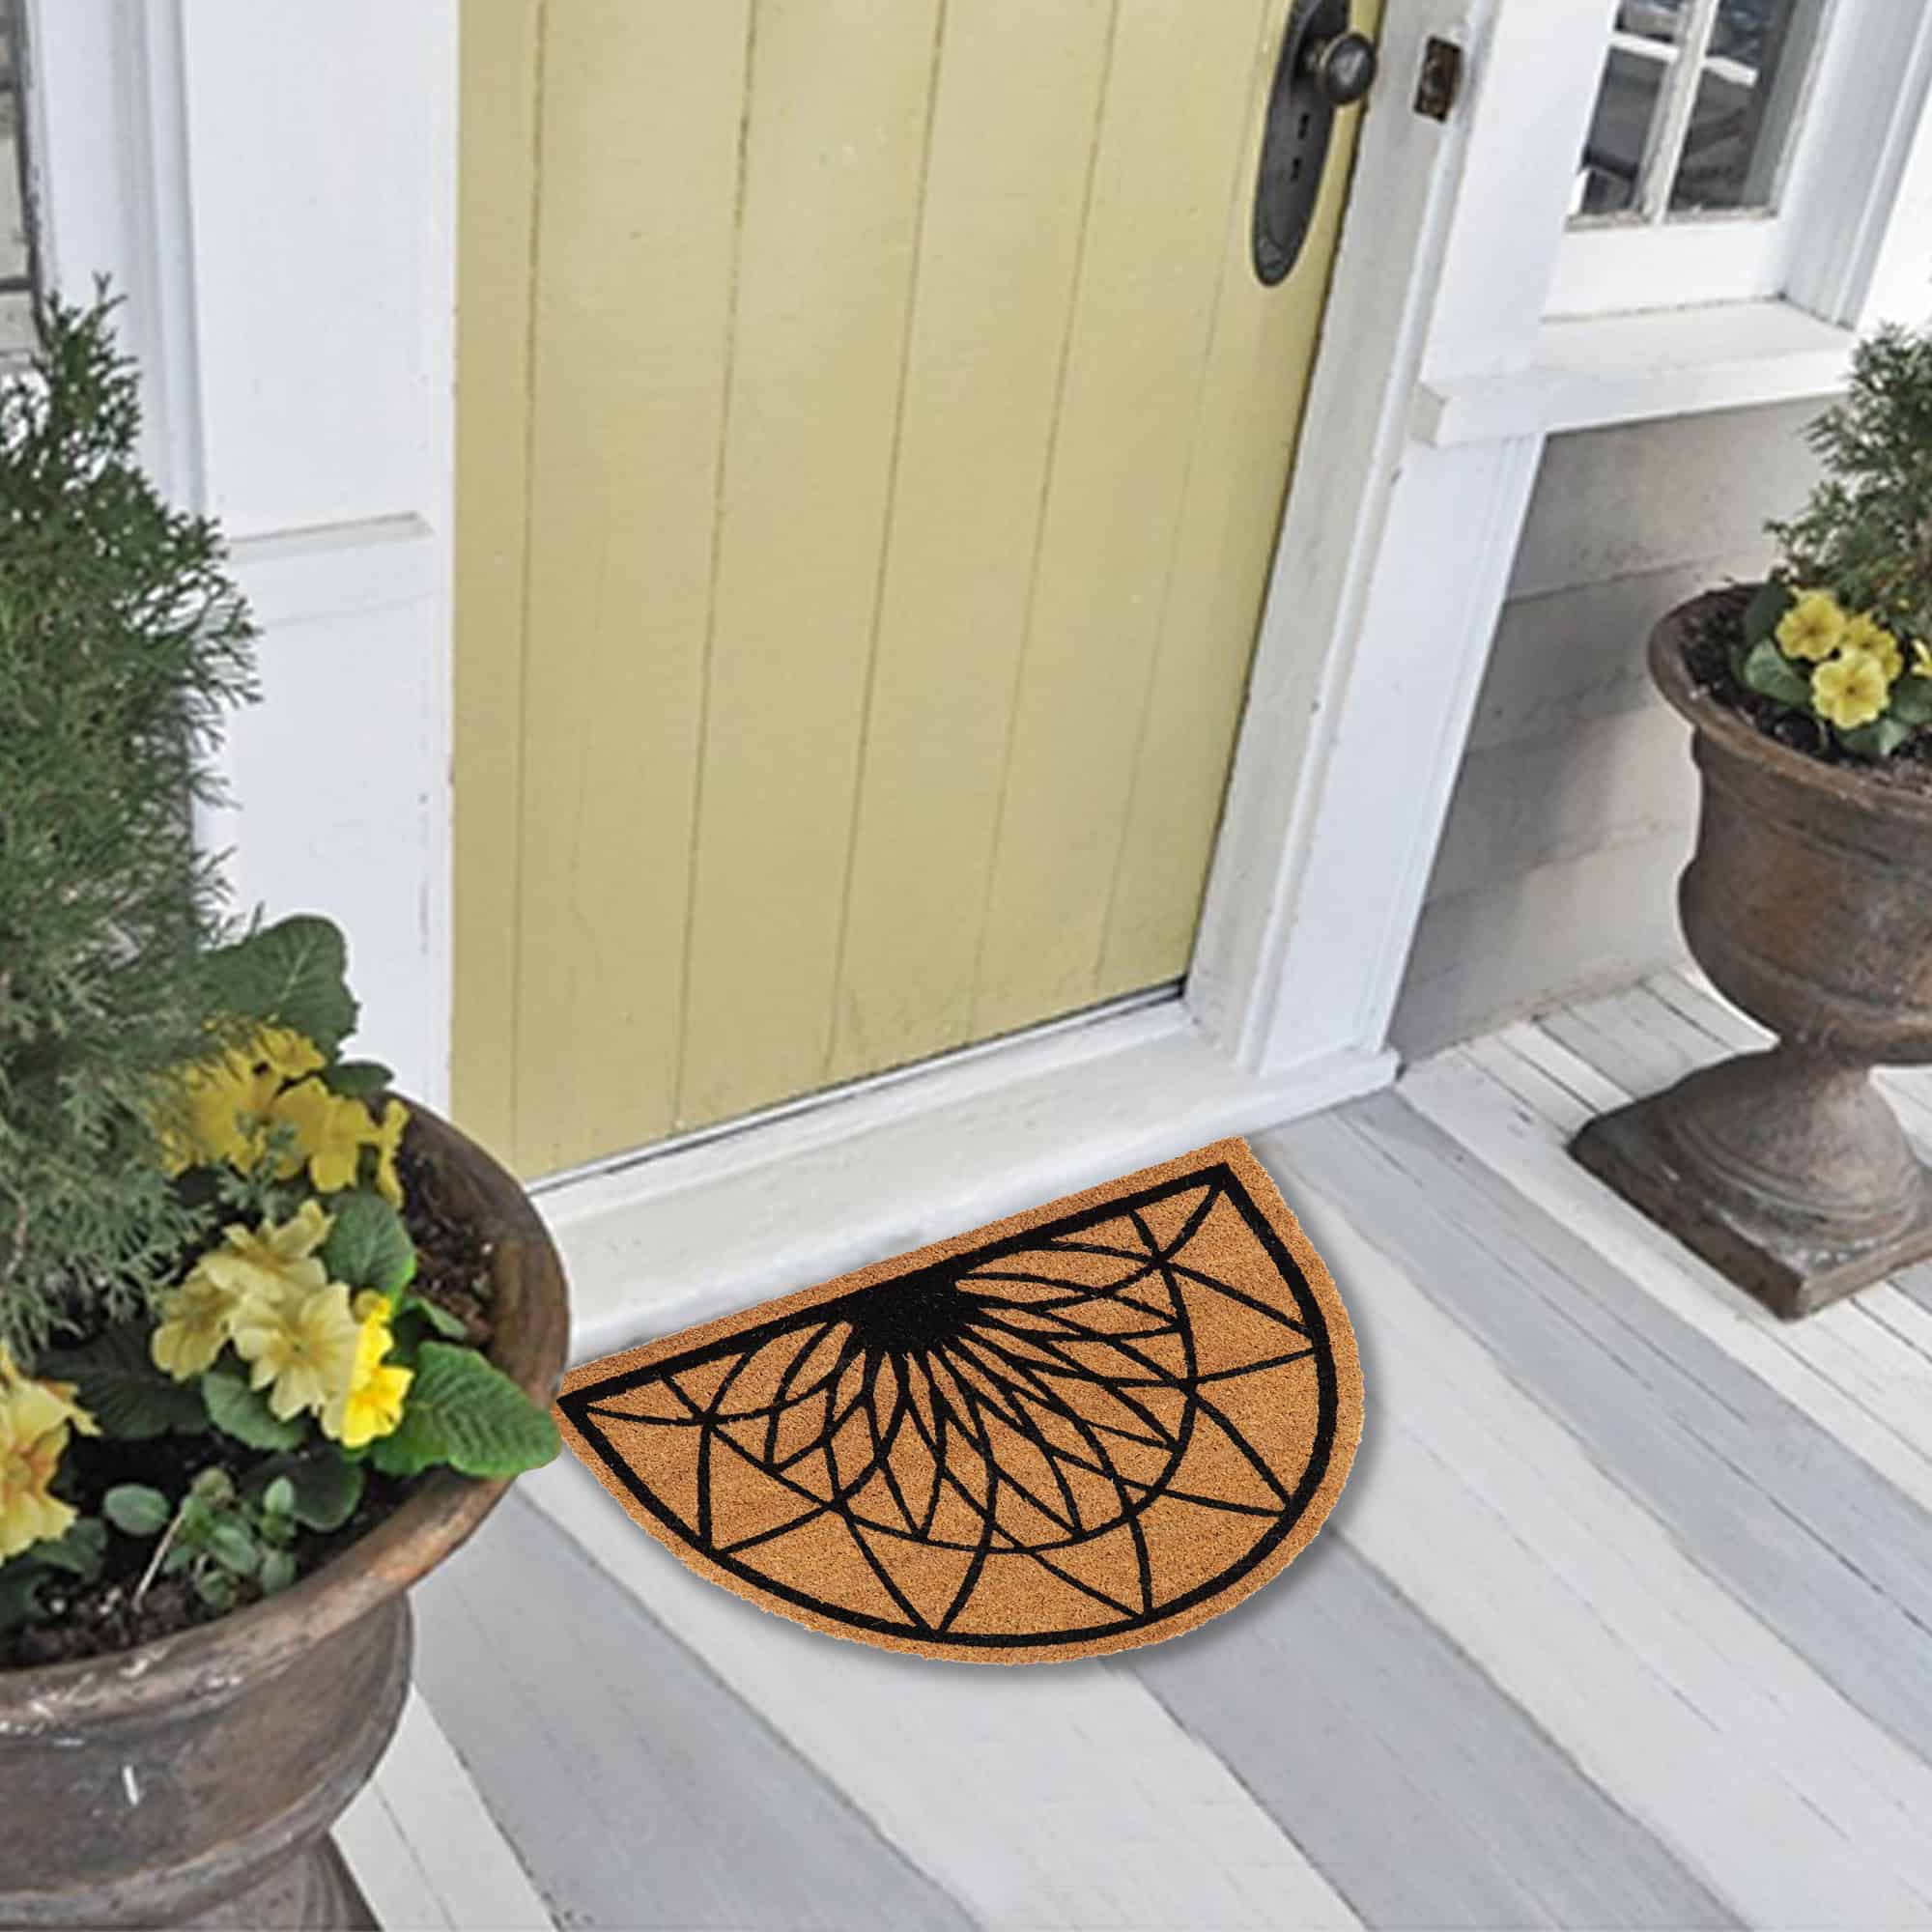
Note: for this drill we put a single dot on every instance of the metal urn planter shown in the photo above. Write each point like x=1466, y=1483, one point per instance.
x=192, y=1781
x=1808, y=902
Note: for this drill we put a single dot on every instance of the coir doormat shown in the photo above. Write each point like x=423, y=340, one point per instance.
x=1085, y=1428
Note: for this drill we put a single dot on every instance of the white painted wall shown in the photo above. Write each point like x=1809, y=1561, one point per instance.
x=271, y=184
x=1575, y=803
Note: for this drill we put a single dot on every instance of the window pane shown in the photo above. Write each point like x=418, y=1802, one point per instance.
x=1636, y=73
x=1746, y=103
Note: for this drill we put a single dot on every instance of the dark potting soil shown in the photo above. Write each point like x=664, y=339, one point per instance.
x=1709, y=637
x=81, y=1620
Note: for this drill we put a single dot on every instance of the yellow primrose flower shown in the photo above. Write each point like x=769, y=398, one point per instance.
x=1864, y=632
x=36, y=1418
x=332, y=1131
x=225, y=1101
x=194, y=1326
x=228, y=1097
x=388, y=1139
x=372, y=1404
x=1813, y=627
x=268, y=1264
x=61, y=1394
x=287, y=1053
x=1921, y=658
x=1851, y=690
x=302, y=1351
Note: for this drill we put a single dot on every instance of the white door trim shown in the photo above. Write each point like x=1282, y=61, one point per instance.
x=1384, y=592
x=309, y=287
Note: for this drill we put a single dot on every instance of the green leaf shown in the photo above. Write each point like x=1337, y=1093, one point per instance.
x=233, y=1548
x=368, y=1246
x=279, y=1572
x=212, y=1488
x=291, y=974
x=1911, y=701
x=463, y=1411
x=1766, y=612
x=20, y=1582
x=326, y=1485
x=119, y=1386
x=242, y=1413
x=279, y=1497
x=1772, y=674
x=439, y=1318
x=79, y=1551
x=217, y=1589
x=1879, y=739
x=357, y=1079
x=136, y=1510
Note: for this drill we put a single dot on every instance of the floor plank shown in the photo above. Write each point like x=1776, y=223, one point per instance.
x=1847, y=1341
x=1049, y=1797
x=640, y=1790
x=1511, y=1536
x=1502, y=1100
x=1424, y=1795
x=424, y=1849
x=1821, y=1548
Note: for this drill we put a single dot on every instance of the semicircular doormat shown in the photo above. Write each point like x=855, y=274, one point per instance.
x=1089, y=1426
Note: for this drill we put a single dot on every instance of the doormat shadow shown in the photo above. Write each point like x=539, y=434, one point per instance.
x=1088, y=1427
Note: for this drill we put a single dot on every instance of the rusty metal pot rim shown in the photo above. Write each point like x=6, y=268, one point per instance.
x=1841, y=784
x=405, y=1545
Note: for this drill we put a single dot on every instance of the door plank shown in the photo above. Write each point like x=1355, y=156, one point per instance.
x=1012, y=151
x=495, y=217
x=636, y=252
x=835, y=162
x=1174, y=134
x=1258, y=366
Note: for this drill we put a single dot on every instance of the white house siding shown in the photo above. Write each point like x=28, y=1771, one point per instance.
x=1576, y=804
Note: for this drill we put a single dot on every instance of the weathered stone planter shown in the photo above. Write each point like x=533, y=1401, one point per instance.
x=192, y=1780
x=1809, y=900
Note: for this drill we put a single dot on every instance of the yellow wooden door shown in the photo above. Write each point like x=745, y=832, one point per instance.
x=871, y=441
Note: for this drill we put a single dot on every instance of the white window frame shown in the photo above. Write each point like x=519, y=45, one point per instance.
x=1858, y=74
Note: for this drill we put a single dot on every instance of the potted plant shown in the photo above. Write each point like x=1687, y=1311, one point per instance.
x=271, y=1338
x=1808, y=898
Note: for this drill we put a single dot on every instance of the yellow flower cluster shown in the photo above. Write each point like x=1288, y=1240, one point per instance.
x=36, y=1418
x=1856, y=660
x=234, y=1104
x=267, y=1291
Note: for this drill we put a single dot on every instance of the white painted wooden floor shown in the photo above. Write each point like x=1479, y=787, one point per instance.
x=1624, y=1620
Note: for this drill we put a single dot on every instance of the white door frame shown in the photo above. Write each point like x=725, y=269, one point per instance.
x=1435, y=385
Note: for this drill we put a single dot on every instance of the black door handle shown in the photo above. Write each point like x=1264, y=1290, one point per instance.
x=1323, y=66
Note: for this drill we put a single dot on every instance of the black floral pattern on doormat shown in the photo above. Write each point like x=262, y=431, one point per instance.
x=1088, y=1432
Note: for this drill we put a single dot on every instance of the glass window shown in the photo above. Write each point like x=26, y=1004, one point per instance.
x=1697, y=109
x=1642, y=57
x=17, y=264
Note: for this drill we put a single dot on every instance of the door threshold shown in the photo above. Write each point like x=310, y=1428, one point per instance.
x=1166, y=994
x=728, y=1218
